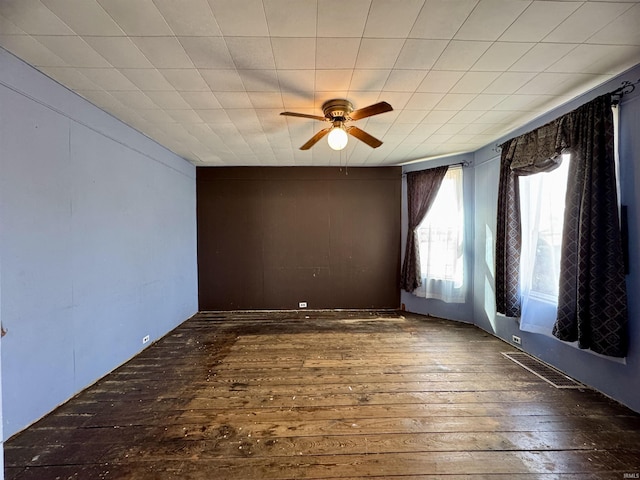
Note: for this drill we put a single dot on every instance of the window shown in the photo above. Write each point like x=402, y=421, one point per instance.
x=542, y=200
x=441, y=237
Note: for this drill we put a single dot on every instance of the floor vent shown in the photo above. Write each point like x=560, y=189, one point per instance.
x=542, y=370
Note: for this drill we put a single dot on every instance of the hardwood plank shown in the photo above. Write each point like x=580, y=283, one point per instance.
x=327, y=395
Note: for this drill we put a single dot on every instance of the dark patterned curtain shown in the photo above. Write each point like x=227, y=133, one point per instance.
x=422, y=188
x=508, y=239
x=533, y=152
x=592, y=302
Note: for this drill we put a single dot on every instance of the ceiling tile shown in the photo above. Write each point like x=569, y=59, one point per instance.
x=185, y=79
x=363, y=99
x=84, y=17
x=509, y=82
x=376, y=53
x=32, y=17
x=622, y=31
x=399, y=128
x=461, y=55
x=450, y=129
x=474, y=82
x=120, y=52
x=368, y=80
x=137, y=18
x=404, y=80
x=133, y=99
x=541, y=57
x=251, y=52
x=297, y=81
x=294, y=53
x=196, y=20
x=521, y=102
x=186, y=116
x=73, y=50
x=398, y=100
x=266, y=100
x=214, y=116
x=441, y=18
x=485, y=101
x=501, y=55
x=457, y=72
x=420, y=54
x=547, y=83
x=207, y=52
x=70, y=77
x=156, y=116
x=7, y=27
x=586, y=21
x=170, y=100
x=163, y=52
x=439, y=81
x=240, y=18
x=411, y=116
x=260, y=80
x=392, y=18
x=597, y=59
x=280, y=12
x=332, y=80
x=223, y=80
x=108, y=78
x=337, y=18
x=454, y=101
x=467, y=116
x=538, y=20
x=334, y=53
x=201, y=100
x=99, y=98
x=31, y=51
x=490, y=18
x=147, y=79
x=233, y=99
x=424, y=101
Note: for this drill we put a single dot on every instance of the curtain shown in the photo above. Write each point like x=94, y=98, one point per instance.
x=441, y=243
x=542, y=202
x=422, y=188
x=508, y=239
x=537, y=151
x=592, y=302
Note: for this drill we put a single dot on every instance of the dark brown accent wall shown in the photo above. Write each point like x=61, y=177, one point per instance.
x=271, y=237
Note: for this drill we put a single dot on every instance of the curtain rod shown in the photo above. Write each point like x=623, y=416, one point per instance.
x=462, y=164
x=625, y=88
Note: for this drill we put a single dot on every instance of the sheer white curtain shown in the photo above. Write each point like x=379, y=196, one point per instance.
x=542, y=199
x=441, y=242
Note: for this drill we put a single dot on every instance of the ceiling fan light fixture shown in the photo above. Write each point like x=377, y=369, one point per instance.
x=338, y=138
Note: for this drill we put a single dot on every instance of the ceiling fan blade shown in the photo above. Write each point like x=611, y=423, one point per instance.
x=375, y=109
x=313, y=140
x=363, y=136
x=304, y=115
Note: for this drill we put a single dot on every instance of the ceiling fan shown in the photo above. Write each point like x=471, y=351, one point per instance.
x=339, y=111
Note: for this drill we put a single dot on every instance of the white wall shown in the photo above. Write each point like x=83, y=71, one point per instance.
x=98, y=243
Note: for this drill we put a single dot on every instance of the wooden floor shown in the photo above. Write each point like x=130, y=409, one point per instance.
x=328, y=395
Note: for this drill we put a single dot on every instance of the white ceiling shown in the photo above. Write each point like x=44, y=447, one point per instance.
x=209, y=78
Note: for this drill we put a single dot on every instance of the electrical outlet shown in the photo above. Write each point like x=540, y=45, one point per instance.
x=145, y=339
x=302, y=305
x=516, y=339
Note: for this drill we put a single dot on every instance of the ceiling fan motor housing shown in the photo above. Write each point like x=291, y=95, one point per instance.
x=337, y=109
